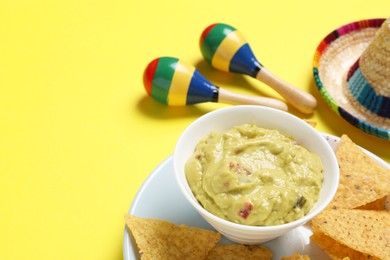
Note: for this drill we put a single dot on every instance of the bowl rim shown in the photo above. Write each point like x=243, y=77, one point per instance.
x=286, y=226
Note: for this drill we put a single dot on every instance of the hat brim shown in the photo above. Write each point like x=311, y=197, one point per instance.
x=334, y=56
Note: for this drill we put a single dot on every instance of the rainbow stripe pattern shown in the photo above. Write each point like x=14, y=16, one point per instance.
x=173, y=82
x=226, y=49
x=329, y=39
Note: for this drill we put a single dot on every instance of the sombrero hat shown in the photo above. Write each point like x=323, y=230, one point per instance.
x=352, y=72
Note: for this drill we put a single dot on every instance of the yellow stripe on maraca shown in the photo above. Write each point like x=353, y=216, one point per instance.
x=180, y=84
x=226, y=50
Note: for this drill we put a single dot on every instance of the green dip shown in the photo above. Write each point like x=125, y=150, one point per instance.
x=254, y=176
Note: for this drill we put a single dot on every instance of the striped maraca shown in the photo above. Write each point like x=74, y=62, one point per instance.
x=175, y=83
x=226, y=49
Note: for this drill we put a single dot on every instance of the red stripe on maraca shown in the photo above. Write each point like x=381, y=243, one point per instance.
x=149, y=75
x=204, y=34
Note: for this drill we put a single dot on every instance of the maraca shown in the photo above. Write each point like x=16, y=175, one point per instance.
x=226, y=49
x=173, y=82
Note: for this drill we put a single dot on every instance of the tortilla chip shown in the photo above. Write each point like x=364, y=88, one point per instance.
x=379, y=204
x=296, y=256
x=311, y=122
x=362, y=180
x=336, y=250
x=238, y=251
x=159, y=239
x=366, y=231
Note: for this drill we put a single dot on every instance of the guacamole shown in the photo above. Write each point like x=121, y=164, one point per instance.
x=254, y=176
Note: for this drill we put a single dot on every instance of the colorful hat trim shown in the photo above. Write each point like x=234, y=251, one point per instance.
x=332, y=40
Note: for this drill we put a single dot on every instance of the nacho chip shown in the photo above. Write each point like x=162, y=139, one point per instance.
x=379, y=204
x=362, y=180
x=238, y=251
x=365, y=231
x=336, y=250
x=296, y=256
x=159, y=239
x=311, y=122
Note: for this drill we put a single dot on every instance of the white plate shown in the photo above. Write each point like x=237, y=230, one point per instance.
x=159, y=197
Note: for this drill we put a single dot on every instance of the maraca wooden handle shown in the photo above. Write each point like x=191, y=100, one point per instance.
x=301, y=100
x=228, y=97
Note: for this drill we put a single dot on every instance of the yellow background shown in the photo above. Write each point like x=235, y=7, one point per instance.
x=78, y=135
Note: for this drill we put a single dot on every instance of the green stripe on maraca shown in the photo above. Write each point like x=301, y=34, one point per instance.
x=162, y=78
x=212, y=38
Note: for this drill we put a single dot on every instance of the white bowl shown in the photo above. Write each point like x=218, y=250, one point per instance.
x=287, y=124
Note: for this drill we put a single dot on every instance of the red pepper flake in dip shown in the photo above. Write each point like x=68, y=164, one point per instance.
x=254, y=176
x=245, y=210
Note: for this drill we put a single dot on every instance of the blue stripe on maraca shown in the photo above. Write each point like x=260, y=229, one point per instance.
x=245, y=62
x=227, y=49
x=201, y=90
